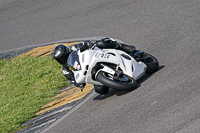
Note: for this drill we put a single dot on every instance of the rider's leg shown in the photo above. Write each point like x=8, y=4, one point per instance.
x=127, y=48
x=111, y=43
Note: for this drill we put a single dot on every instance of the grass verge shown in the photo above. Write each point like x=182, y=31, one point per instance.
x=26, y=84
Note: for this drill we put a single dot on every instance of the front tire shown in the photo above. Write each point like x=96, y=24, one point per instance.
x=125, y=83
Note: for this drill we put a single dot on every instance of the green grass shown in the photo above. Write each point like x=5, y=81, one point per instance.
x=26, y=84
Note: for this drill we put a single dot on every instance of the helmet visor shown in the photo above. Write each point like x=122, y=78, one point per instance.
x=73, y=61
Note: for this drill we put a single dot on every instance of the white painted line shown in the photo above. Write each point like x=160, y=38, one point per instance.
x=61, y=41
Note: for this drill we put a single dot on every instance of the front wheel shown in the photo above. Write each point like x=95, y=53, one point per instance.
x=122, y=83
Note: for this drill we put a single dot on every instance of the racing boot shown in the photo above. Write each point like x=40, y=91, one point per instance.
x=101, y=89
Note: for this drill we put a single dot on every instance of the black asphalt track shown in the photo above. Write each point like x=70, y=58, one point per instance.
x=165, y=102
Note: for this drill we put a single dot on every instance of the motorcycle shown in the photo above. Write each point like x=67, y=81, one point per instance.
x=112, y=68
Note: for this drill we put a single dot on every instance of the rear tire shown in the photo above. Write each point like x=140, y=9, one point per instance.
x=126, y=83
x=151, y=63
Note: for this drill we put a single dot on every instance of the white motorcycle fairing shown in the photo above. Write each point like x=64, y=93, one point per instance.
x=89, y=58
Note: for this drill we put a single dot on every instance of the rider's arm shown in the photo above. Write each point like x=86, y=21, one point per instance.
x=76, y=46
x=70, y=76
x=111, y=43
x=83, y=45
x=108, y=43
x=68, y=73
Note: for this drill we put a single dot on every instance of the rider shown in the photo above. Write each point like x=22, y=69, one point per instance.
x=61, y=53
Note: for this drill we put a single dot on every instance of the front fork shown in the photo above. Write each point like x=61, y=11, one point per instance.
x=116, y=74
x=105, y=69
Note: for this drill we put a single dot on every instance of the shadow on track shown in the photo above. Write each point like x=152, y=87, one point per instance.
x=113, y=92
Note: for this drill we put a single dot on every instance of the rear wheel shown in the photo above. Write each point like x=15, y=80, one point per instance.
x=122, y=83
x=151, y=62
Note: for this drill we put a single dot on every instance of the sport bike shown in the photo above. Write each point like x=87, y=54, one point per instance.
x=110, y=67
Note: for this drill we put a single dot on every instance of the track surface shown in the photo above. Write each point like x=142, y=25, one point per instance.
x=166, y=102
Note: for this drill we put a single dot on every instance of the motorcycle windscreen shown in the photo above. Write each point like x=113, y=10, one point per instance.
x=73, y=61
